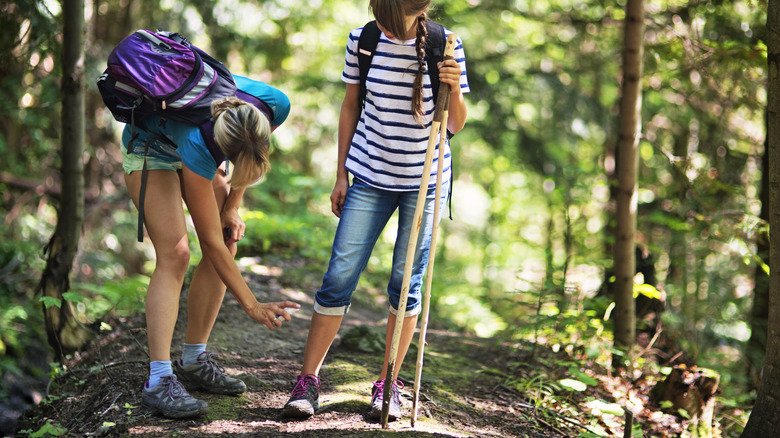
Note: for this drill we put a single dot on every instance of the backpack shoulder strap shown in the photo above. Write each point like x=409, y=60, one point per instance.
x=434, y=52
x=369, y=38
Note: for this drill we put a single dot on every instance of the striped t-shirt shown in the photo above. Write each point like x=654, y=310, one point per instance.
x=389, y=145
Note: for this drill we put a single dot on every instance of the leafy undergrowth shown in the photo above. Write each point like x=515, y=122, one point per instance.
x=470, y=387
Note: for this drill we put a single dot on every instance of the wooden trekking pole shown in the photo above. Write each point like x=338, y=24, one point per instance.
x=429, y=273
x=442, y=104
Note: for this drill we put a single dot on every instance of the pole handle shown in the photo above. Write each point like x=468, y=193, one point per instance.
x=443, y=100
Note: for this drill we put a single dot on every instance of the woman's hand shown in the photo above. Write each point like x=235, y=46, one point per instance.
x=338, y=196
x=232, y=224
x=272, y=315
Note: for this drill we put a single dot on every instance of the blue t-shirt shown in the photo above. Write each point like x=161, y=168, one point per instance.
x=191, y=148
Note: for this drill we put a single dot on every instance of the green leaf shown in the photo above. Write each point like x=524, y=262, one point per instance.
x=584, y=378
x=573, y=385
x=73, y=297
x=647, y=290
x=51, y=301
x=608, y=312
x=49, y=429
x=608, y=408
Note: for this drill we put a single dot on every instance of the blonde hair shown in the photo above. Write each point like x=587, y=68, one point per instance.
x=391, y=14
x=244, y=134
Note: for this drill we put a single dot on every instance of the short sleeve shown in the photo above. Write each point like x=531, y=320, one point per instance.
x=351, y=73
x=460, y=56
x=276, y=100
x=195, y=155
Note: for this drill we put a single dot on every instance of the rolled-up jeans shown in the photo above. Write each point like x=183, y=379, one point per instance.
x=365, y=213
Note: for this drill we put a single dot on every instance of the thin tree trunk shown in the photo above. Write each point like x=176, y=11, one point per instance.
x=759, y=314
x=763, y=419
x=66, y=334
x=627, y=167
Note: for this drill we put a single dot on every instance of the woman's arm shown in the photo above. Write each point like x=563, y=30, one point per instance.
x=229, y=216
x=202, y=205
x=348, y=121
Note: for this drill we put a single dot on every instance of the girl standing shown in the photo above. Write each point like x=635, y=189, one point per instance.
x=181, y=164
x=383, y=146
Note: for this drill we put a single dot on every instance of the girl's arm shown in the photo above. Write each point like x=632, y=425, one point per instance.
x=202, y=205
x=449, y=73
x=348, y=121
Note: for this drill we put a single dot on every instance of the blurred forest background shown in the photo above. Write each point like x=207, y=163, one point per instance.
x=528, y=252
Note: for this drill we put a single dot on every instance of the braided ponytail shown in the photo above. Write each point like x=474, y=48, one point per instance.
x=391, y=14
x=417, y=91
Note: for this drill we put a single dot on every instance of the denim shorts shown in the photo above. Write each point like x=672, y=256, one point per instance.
x=160, y=156
x=365, y=213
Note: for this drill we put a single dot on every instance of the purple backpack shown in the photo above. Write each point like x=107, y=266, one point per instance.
x=162, y=73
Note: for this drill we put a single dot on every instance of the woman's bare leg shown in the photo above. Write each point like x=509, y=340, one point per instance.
x=207, y=290
x=164, y=220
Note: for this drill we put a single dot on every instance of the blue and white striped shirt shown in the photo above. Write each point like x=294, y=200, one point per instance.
x=389, y=145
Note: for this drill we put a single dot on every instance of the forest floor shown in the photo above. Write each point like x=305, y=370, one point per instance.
x=466, y=388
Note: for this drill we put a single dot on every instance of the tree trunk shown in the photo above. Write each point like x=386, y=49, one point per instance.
x=763, y=419
x=627, y=168
x=66, y=334
x=759, y=314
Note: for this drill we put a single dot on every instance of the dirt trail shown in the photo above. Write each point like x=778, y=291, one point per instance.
x=463, y=392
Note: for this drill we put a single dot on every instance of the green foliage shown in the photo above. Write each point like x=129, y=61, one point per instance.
x=534, y=167
x=365, y=338
x=538, y=388
x=21, y=318
x=122, y=297
x=307, y=236
x=49, y=430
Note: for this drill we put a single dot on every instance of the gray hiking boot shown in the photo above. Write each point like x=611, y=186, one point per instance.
x=394, y=413
x=208, y=376
x=305, y=398
x=171, y=400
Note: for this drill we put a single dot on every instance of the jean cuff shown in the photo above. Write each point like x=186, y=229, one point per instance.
x=330, y=311
x=413, y=312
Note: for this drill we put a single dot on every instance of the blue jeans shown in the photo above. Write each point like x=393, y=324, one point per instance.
x=364, y=215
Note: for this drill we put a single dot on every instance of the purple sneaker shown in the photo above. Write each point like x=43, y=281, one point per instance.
x=394, y=412
x=305, y=398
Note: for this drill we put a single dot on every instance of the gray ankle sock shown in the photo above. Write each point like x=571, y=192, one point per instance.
x=190, y=353
x=157, y=369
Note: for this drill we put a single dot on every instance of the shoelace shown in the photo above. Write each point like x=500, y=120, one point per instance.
x=303, y=383
x=379, y=388
x=174, y=388
x=213, y=367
